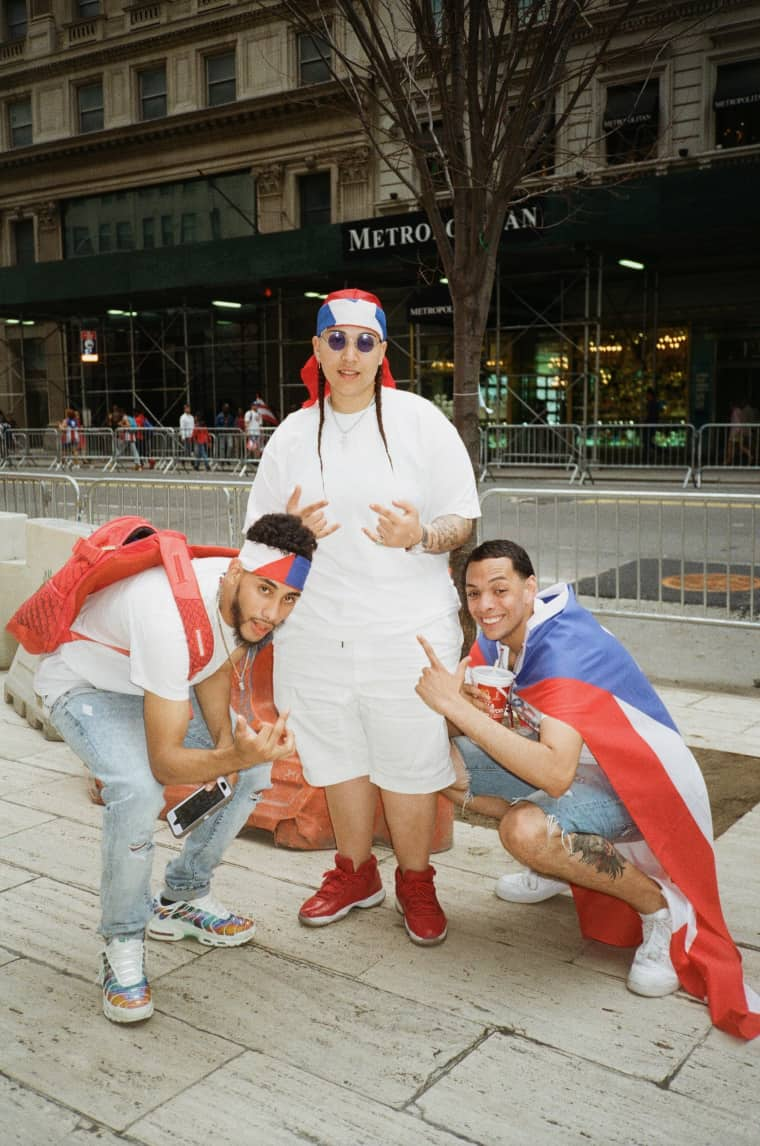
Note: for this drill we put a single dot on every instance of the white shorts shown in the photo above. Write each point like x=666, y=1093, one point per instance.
x=354, y=710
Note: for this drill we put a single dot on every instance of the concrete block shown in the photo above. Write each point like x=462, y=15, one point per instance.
x=14, y=588
x=19, y=691
x=12, y=536
x=49, y=541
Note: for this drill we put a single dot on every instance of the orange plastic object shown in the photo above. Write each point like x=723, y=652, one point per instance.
x=292, y=810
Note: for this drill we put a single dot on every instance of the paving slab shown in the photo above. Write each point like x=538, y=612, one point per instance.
x=15, y=820
x=274, y=904
x=61, y=849
x=29, y=1120
x=19, y=741
x=722, y=1074
x=56, y=758
x=546, y=999
x=510, y=1090
x=64, y=796
x=64, y=934
x=12, y=876
x=473, y=909
x=57, y=1042
x=738, y=862
x=257, y=1099
x=377, y=1043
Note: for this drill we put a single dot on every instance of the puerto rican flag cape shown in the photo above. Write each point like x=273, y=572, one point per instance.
x=573, y=669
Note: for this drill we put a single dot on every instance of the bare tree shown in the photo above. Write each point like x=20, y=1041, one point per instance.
x=461, y=99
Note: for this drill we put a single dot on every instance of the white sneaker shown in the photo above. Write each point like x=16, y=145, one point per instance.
x=203, y=919
x=126, y=991
x=528, y=887
x=652, y=973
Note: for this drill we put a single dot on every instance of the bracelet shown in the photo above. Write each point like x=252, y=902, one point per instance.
x=420, y=546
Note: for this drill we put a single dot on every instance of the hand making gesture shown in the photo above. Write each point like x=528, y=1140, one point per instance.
x=440, y=689
x=311, y=515
x=396, y=530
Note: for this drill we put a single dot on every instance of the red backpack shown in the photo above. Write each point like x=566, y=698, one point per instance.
x=118, y=549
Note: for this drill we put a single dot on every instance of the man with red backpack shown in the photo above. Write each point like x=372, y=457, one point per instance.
x=122, y=696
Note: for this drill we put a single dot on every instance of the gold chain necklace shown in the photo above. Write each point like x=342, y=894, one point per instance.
x=344, y=433
x=240, y=677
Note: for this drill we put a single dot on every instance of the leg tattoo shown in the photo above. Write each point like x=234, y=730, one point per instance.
x=597, y=852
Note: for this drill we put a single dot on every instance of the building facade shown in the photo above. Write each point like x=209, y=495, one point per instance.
x=181, y=180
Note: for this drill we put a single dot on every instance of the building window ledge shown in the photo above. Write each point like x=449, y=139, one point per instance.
x=84, y=31
x=14, y=50
x=144, y=15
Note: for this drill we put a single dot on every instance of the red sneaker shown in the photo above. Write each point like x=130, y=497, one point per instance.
x=343, y=888
x=424, y=919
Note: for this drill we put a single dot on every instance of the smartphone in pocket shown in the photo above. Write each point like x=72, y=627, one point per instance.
x=198, y=806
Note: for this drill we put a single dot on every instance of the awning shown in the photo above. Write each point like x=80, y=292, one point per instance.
x=631, y=105
x=737, y=85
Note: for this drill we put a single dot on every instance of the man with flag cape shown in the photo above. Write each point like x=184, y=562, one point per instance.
x=593, y=785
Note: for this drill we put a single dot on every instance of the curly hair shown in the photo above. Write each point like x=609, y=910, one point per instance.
x=283, y=531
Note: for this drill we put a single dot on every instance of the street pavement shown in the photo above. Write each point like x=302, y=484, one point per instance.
x=515, y=1030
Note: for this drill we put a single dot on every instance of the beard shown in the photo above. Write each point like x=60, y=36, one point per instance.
x=237, y=619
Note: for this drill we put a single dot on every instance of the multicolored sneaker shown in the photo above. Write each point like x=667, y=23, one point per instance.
x=343, y=888
x=126, y=991
x=203, y=919
x=424, y=918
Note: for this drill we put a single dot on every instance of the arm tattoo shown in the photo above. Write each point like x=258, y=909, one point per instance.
x=445, y=533
x=597, y=852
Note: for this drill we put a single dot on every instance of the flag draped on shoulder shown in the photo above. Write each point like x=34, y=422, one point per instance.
x=574, y=670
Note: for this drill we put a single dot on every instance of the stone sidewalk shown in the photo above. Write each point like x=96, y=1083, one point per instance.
x=515, y=1030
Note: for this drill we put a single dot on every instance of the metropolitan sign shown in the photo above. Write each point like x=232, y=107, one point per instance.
x=402, y=232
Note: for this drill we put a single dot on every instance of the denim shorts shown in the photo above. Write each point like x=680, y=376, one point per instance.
x=589, y=806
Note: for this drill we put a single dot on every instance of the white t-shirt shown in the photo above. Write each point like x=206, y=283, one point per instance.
x=252, y=422
x=186, y=425
x=357, y=589
x=139, y=614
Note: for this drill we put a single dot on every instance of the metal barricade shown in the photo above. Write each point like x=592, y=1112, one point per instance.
x=227, y=448
x=728, y=447
x=685, y=556
x=539, y=444
x=158, y=448
x=253, y=450
x=34, y=446
x=90, y=447
x=207, y=512
x=51, y=495
x=645, y=446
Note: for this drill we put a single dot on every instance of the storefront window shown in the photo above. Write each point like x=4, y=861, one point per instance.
x=631, y=122
x=737, y=104
x=193, y=211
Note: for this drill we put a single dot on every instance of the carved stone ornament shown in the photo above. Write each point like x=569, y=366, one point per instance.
x=47, y=214
x=354, y=165
x=268, y=179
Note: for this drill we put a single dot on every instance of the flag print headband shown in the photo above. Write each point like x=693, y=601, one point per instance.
x=347, y=308
x=288, y=568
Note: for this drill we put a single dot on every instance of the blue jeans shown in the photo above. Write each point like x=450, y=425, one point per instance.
x=107, y=732
x=590, y=806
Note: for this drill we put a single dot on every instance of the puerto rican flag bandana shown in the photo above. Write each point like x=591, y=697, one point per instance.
x=347, y=308
x=286, y=568
x=574, y=670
